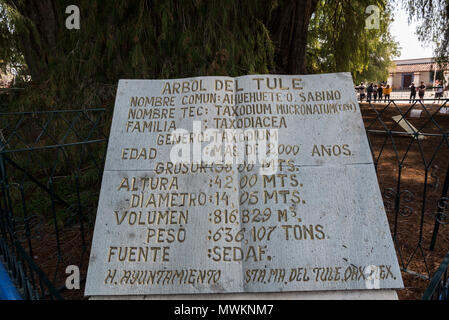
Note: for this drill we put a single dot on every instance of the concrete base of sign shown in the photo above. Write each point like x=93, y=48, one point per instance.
x=312, y=295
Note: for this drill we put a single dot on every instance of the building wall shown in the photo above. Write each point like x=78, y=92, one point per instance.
x=411, y=67
x=425, y=76
x=396, y=79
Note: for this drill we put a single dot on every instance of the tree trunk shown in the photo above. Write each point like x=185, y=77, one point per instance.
x=288, y=26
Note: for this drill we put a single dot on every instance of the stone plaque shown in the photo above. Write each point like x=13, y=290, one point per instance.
x=260, y=183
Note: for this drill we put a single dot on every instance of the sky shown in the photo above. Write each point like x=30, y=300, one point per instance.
x=405, y=34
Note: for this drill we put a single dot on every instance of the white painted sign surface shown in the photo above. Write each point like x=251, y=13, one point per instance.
x=314, y=221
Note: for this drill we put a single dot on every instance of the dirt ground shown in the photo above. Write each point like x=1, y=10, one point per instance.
x=421, y=165
x=401, y=155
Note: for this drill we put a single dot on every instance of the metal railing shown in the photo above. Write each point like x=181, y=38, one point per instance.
x=51, y=164
x=410, y=147
x=438, y=288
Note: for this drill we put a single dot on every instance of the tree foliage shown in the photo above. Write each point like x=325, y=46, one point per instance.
x=434, y=28
x=139, y=39
x=174, y=39
x=10, y=55
x=144, y=38
x=339, y=41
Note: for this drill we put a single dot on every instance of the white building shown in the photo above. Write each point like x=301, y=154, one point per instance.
x=416, y=70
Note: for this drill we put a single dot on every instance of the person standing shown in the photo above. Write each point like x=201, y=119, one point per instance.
x=412, y=92
x=422, y=91
x=380, y=91
x=440, y=91
x=362, y=92
x=369, y=90
x=387, y=92
x=375, y=93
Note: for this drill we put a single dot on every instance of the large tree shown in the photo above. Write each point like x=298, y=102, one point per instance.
x=157, y=39
x=171, y=38
x=197, y=35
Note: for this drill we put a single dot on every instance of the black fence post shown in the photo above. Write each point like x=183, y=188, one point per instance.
x=440, y=211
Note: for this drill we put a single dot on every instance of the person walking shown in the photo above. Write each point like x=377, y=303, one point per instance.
x=387, y=91
x=380, y=91
x=422, y=91
x=412, y=93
